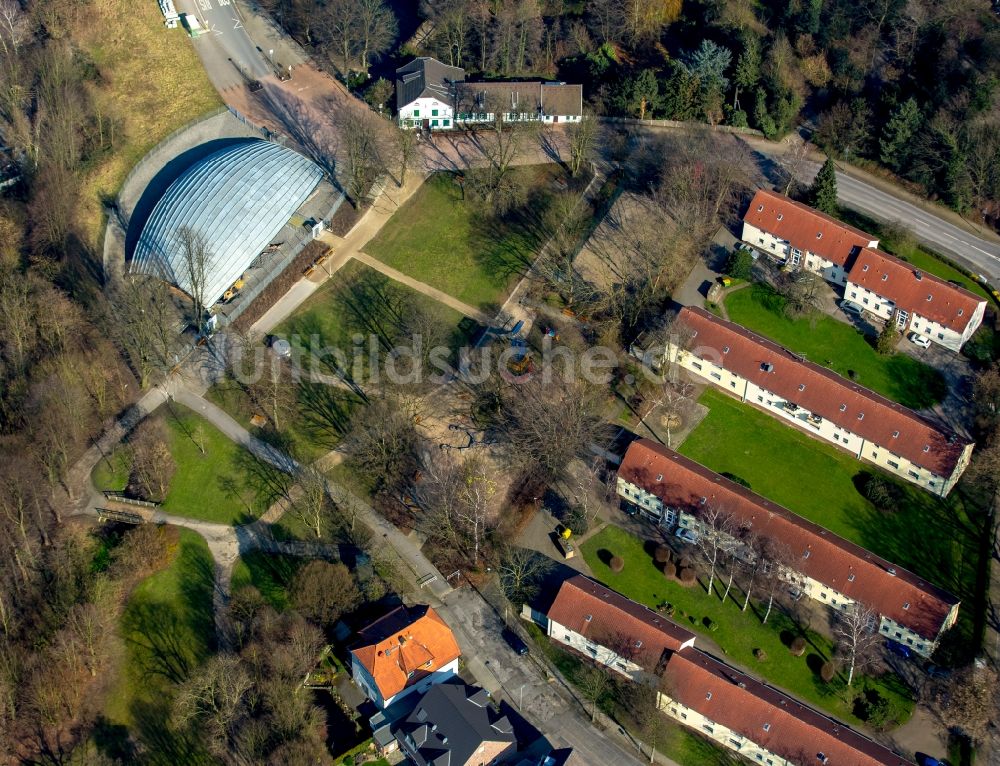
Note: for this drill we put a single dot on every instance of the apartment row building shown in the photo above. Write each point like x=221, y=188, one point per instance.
x=818, y=401
x=697, y=690
x=680, y=493
x=435, y=96
x=888, y=287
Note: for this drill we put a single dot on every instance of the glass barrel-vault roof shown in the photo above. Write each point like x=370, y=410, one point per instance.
x=237, y=199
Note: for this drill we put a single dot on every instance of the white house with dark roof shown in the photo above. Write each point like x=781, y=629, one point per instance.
x=436, y=96
x=820, y=565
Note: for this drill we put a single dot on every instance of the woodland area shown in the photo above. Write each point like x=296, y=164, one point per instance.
x=908, y=85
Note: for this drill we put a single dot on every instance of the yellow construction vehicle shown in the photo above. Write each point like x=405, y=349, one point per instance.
x=233, y=291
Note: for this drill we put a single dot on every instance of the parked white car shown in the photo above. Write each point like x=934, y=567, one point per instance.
x=687, y=535
x=919, y=340
x=851, y=308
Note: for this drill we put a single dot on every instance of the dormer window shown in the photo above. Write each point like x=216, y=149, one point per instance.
x=929, y=297
x=708, y=695
x=861, y=416
x=802, y=386
x=806, y=554
x=865, y=267
x=927, y=448
x=767, y=727
x=961, y=311
x=781, y=216
x=843, y=408
x=760, y=208
x=819, y=235
x=895, y=434
x=704, y=500
x=638, y=644
x=725, y=349
x=659, y=477
x=850, y=577
x=589, y=617
x=885, y=277
x=906, y=605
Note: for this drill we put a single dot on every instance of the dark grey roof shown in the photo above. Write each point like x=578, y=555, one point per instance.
x=426, y=77
x=237, y=199
x=449, y=724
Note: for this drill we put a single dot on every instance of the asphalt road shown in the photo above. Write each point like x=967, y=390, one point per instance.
x=981, y=256
x=229, y=55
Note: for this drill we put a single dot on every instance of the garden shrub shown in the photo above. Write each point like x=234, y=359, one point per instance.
x=617, y=564
x=827, y=672
x=798, y=646
x=662, y=554
x=760, y=655
x=670, y=569
x=687, y=576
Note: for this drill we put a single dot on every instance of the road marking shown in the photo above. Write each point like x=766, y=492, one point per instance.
x=205, y=5
x=223, y=2
x=238, y=24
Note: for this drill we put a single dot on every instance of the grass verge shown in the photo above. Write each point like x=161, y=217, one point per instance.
x=440, y=238
x=838, y=346
x=740, y=635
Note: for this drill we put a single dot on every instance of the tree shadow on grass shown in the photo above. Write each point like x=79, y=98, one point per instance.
x=915, y=384
x=165, y=745
x=326, y=411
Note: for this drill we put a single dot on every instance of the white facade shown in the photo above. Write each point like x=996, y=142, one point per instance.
x=367, y=684
x=836, y=600
x=648, y=504
x=594, y=651
x=721, y=734
x=819, y=427
x=884, y=308
x=436, y=115
x=781, y=250
x=429, y=112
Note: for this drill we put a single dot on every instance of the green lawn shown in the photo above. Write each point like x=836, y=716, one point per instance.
x=169, y=631
x=838, y=346
x=215, y=479
x=357, y=314
x=448, y=242
x=936, y=538
x=271, y=574
x=738, y=633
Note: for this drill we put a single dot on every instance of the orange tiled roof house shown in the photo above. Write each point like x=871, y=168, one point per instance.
x=804, y=238
x=408, y=650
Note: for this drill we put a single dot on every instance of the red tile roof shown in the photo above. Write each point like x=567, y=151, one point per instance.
x=611, y=620
x=925, y=294
x=832, y=560
x=816, y=389
x=744, y=705
x=804, y=228
x=409, y=639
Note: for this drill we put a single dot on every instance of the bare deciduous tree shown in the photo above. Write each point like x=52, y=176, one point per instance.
x=856, y=630
x=194, y=276
x=582, y=139
x=323, y=592
x=715, y=537
x=519, y=569
x=594, y=681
